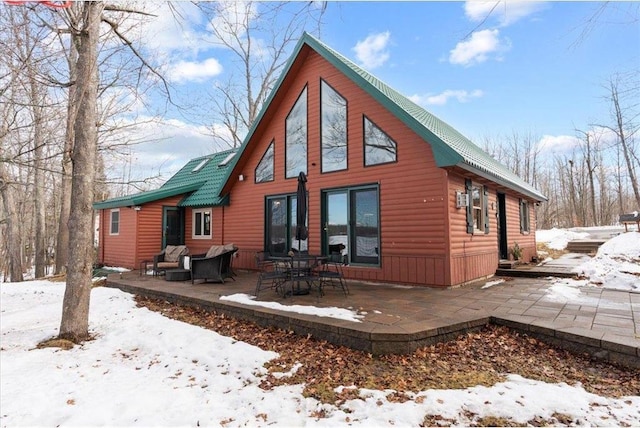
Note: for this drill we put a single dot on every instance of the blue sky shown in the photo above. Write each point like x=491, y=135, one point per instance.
x=519, y=67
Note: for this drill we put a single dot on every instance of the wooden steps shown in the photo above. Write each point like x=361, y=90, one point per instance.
x=585, y=246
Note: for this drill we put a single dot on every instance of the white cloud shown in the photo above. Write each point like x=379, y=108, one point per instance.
x=173, y=30
x=478, y=47
x=505, y=12
x=186, y=71
x=442, y=98
x=372, y=52
x=161, y=147
x=232, y=19
x=558, y=143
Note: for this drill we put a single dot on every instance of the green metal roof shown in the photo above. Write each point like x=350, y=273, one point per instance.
x=450, y=147
x=201, y=186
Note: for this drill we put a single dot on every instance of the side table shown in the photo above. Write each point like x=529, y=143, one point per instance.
x=144, y=265
x=177, y=275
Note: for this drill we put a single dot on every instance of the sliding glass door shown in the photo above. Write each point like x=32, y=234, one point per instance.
x=280, y=226
x=351, y=224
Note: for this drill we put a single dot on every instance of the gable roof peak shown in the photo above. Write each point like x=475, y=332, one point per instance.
x=450, y=148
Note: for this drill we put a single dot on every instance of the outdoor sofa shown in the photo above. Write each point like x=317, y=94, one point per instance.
x=215, y=265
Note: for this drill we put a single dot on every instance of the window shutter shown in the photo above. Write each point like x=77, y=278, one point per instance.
x=486, y=209
x=467, y=185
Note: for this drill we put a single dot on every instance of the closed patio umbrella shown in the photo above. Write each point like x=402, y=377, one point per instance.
x=301, y=210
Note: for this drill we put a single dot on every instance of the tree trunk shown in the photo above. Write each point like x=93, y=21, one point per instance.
x=39, y=209
x=12, y=221
x=62, y=247
x=623, y=141
x=75, y=311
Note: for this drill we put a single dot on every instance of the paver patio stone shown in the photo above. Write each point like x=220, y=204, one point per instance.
x=400, y=319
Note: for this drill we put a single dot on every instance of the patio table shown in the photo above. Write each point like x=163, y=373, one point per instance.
x=300, y=269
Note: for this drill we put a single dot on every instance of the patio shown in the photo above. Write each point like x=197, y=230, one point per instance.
x=400, y=319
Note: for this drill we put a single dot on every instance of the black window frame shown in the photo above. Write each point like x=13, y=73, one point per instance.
x=323, y=84
x=290, y=223
x=256, y=177
x=294, y=174
x=351, y=195
x=366, y=119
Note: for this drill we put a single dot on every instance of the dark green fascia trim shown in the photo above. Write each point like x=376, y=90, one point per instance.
x=530, y=192
x=218, y=202
x=146, y=197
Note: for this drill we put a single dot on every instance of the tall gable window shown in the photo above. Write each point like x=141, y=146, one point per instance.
x=334, y=129
x=378, y=147
x=115, y=222
x=264, y=170
x=296, y=138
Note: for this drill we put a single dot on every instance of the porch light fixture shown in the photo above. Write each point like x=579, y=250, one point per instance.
x=241, y=177
x=137, y=208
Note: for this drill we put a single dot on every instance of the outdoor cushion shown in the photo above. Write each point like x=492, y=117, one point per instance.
x=167, y=265
x=215, y=250
x=172, y=253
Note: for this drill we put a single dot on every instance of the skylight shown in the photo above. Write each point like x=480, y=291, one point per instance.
x=227, y=159
x=202, y=163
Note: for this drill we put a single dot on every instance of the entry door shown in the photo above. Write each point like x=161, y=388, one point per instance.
x=172, y=226
x=502, y=227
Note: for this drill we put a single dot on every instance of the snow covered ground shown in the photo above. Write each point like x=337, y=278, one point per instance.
x=616, y=265
x=143, y=369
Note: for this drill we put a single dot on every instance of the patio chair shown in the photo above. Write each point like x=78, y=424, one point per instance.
x=331, y=273
x=271, y=275
x=215, y=265
x=171, y=257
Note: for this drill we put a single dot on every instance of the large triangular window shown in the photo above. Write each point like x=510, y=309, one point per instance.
x=264, y=170
x=379, y=148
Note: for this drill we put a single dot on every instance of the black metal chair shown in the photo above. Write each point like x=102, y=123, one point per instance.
x=271, y=275
x=331, y=274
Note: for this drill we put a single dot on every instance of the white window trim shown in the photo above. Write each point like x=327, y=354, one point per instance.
x=479, y=210
x=193, y=223
x=525, y=218
x=111, y=232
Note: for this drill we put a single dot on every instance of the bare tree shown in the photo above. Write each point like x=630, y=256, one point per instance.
x=259, y=36
x=11, y=220
x=75, y=310
x=62, y=242
x=623, y=94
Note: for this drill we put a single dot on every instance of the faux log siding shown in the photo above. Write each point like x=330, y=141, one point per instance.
x=413, y=206
x=476, y=256
x=472, y=256
x=526, y=241
x=140, y=236
x=119, y=250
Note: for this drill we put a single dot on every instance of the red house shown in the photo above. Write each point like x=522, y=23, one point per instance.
x=404, y=196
